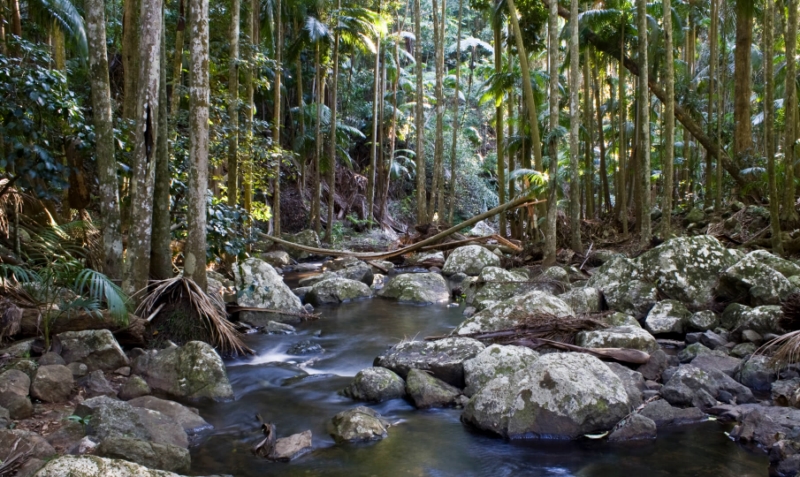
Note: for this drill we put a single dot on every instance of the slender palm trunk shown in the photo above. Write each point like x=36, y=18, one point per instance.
x=104, y=137
x=195, y=251
x=552, y=194
x=161, y=254
x=276, y=121
x=621, y=192
x=588, y=143
x=177, y=63
x=233, y=104
x=713, y=85
x=669, y=122
x=316, y=193
x=419, y=117
x=605, y=192
x=789, y=212
x=373, y=152
x=454, y=144
x=438, y=144
x=301, y=116
x=332, y=138
x=499, y=124
x=251, y=32
x=645, y=231
x=769, y=122
x=574, y=132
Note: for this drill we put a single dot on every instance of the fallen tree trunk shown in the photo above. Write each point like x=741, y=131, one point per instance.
x=623, y=355
x=410, y=248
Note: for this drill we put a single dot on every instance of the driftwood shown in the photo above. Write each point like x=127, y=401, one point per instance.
x=266, y=447
x=133, y=333
x=623, y=355
x=410, y=248
x=305, y=316
x=448, y=245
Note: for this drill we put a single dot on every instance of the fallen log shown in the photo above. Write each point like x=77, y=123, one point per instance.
x=410, y=248
x=623, y=355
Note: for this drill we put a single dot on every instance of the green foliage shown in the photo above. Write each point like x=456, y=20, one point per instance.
x=225, y=230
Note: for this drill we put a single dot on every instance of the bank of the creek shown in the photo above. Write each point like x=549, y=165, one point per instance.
x=299, y=393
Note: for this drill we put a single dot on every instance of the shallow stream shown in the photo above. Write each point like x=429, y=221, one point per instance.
x=300, y=393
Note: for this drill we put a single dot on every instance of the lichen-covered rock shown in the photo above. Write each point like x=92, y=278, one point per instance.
x=188, y=418
x=726, y=364
x=97, y=349
x=761, y=319
x=694, y=350
x=668, y=316
x=633, y=337
x=17, y=440
x=444, y=358
x=112, y=418
x=620, y=319
x=512, y=312
x=754, y=282
x=94, y=466
x=633, y=381
x=426, y=259
x=337, y=290
x=743, y=350
x=314, y=279
x=583, y=300
x=664, y=414
x=494, y=361
x=288, y=448
x=636, y=427
x=470, y=259
x=133, y=388
x=756, y=373
x=359, y=424
x=426, y=391
x=562, y=395
x=259, y=285
x=376, y=384
x=613, y=273
x=494, y=284
x=14, y=388
x=307, y=237
x=418, y=288
x=703, y=320
x=785, y=267
x=692, y=386
x=687, y=268
x=786, y=392
x=352, y=269
x=278, y=258
x=157, y=456
x=633, y=297
x=52, y=383
x=193, y=371
x=96, y=384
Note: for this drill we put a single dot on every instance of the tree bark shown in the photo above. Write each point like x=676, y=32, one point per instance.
x=419, y=118
x=588, y=143
x=161, y=254
x=104, y=138
x=130, y=53
x=605, y=192
x=499, y=123
x=789, y=212
x=645, y=233
x=195, y=251
x=552, y=193
x=177, y=62
x=713, y=84
x=622, y=152
x=145, y=137
x=233, y=104
x=316, y=186
x=276, y=120
x=669, y=122
x=332, y=139
x=454, y=144
x=574, y=132
x=769, y=123
x=743, y=141
x=373, y=150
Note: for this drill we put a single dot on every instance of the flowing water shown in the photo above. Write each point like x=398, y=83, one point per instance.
x=301, y=393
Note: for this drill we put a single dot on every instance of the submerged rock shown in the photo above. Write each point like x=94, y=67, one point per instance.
x=305, y=347
x=444, y=358
x=494, y=361
x=419, y=288
x=359, y=424
x=376, y=384
x=259, y=285
x=470, y=259
x=337, y=290
x=426, y=391
x=514, y=311
x=564, y=395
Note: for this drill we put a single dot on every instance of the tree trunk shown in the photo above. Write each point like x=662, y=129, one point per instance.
x=145, y=137
x=438, y=146
x=499, y=123
x=743, y=141
x=161, y=253
x=392, y=138
x=373, y=150
x=195, y=251
x=130, y=53
x=574, y=139
x=454, y=144
x=301, y=117
x=720, y=114
x=276, y=121
x=789, y=213
x=588, y=144
x=16, y=19
x=251, y=32
x=104, y=138
x=332, y=139
x=177, y=63
x=645, y=233
x=316, y=186
x=233, y=104
x=621, y=205
x=606, y=192
x=419, y=118
x=669, y=122
x=552, y=194
x=769, y=123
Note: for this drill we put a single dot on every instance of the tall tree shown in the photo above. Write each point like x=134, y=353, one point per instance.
x=597, y=87
x=419, y=117
x=130, y=52
x=177, y=60
x=669, y=120
x=574, y=131
x=251, y=32
x=645, y=233
x=161, y=253
x=789, y=212
x=769, y=122
x=499, y=123
x=332, y=138
x=743, y=141
x=713, y=60
x=104, y=137
x=454, y=143
x=137, y=265
x=276, y=121
x=373, y=150
x=552, y=195
x=233, y=103
x=195, y=250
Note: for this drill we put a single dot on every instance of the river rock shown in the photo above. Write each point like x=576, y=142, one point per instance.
x=96, y=384
x=494, y=361
x=761, y=319
x=470, y=259
x=426, y=391
x=426, y=259
x=288, y=448
x=692, y=386
x=133, y=388
x=278, y=258
x=583, y=300
x=495, y=284
x=259, y=285
x=687, y=268
x=113, y=418
x=726, y=364
x=636, y=427
x=94, y=466
x=632, y=380
x=305, y=347
x=562, y=395
x=620, y=319
x=613, y=273
x=275, y=327
x=756, y=373
x=309, y=282
x=633, y=337
x=376, y=385
x=512, y=312
x=754, y=282
x=67, y=437
x=786, y=392
x=51, y=358
x=193, y=371
x=19, y=349
x=664, y=414
x=157, y=456
x=79, y=370
x=188, y=418
x=652, y=370
x=307, y=237
x=97, y=349
x=17, y=440
x=359, y=424
x=743, y=350
x=444, y=358
x=418, y=288
x=765, y=425
x=352, y=269
x=14, y=388
x=667, y=317
x=703, y=320
x=337, y=290
x=52, y=383
x=692, y=351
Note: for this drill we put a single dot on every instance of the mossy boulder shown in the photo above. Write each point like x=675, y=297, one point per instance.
x=633, y=337
x=157, y=456
x=97, y=349
x=761, y=319
x=667, y=317
x=427, y=391
x=360, y=424
x=515, y=311
x=754, y=282
x=634, y=297
x=352, y=269
x=443, y=358
x=418, y=288
x=560, y=395
x=495, y=284
x=470, y=259
x=376, y=384
x=703, y=320
x=259, y=285
x=583, y=300
x=494, y=361
x=337, y=290
x=94, y=466
x=613, y=273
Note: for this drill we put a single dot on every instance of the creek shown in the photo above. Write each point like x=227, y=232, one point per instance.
x=299, y=393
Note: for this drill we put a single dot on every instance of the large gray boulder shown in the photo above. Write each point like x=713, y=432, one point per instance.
x=786, y=392
x=278, y=258
x=112, y=418
x=635, y=297
x=613, y=273
x=418, y=288
x=512, y=312
x=188, y=418
x=583, y=300
x=753, y=281
x=17, y=440
x=687, y=268
x=352, y=269
x=757, y=373
x=562, y=395
x=665, y=415
x=259, y=285
x=470, y=259
x=443, y=358
x=14, y=388
x=693, y=386
x=337, y=290
x=157, y=456
x=427, y=391
x=761, y=319
x=97, y=349
x=359, y=424
x=495, y=284
x=94, y=466
x=376, y=385
x=193, y=371
x=52, y=383
x=633, y=337
x=667, y=317
x=494, y=361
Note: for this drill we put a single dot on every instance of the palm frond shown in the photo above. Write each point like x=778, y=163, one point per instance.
x=65, y=16
x=98, y=287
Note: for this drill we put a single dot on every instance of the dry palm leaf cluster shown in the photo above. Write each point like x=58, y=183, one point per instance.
x=785, y=349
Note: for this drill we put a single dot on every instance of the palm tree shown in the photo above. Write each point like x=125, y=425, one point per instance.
x=456, y=101
x=769, y=122
x=574, y=131
x=789, y=212
x=669, y=121
x=552, y=139
x=419, y=117
x=276, y=121
x=233, y=100
x=645, y=233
